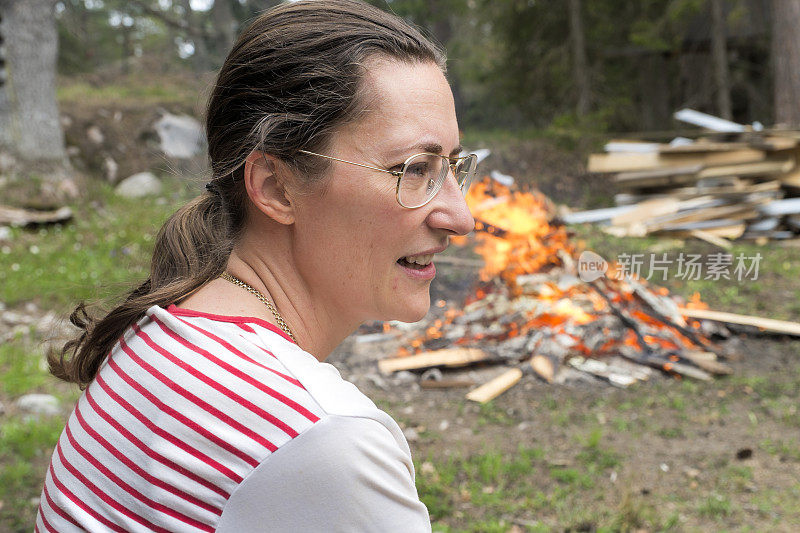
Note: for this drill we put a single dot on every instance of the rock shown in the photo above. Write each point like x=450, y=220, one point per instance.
x=443, y=425
x=139, y=185
x=67, y=188
x=95, y=135
x=411, y=434
x=181, y=136
x=5, y=233
x=432, y=374
x=39, y=404
x=376, y=380
x=404, y=376
x=110, y=169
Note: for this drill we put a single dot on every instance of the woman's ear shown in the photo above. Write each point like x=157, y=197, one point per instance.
x=264, y=180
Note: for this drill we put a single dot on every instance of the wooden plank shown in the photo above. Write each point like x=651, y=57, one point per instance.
x=647, y=210
x=685, y=193
x=767, y=324
x=631, y=180
x=732, y=231
x=544, y=367
x=711, y=238
x=658, y=173
x=704, y=146
x=730, y=212
x=765, y=143
x=495, y=387
x=617, y=162
x=16, y=216
x=708, y=362
x=762, y=168
x=451, y=357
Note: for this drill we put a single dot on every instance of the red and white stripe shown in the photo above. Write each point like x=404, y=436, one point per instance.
x=184, y=408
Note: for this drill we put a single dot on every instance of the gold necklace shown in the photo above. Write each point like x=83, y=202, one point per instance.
x=278, y=318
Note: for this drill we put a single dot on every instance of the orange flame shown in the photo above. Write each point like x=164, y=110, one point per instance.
x=527, y=244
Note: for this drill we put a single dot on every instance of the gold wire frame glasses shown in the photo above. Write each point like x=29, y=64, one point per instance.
x=423, y=175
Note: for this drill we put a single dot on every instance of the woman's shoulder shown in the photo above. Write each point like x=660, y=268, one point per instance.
x=263, y=351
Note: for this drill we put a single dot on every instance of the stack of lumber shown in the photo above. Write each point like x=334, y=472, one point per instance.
x=726, y=185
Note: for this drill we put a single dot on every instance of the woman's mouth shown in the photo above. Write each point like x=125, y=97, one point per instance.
x=417, y=262
x=418, y=266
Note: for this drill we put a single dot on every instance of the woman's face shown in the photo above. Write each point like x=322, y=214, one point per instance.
x=351, y=236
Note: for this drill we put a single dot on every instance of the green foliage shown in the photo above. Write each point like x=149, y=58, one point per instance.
x=510, y=66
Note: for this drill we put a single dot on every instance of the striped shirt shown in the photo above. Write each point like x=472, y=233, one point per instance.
x=199, y=422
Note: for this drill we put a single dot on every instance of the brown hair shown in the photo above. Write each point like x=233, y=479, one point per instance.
x=293, y=76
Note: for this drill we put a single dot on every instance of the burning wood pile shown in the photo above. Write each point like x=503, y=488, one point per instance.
x=736, y=182
x=537, y=310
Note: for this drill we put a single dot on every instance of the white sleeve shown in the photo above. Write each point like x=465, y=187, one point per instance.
x=343, y=474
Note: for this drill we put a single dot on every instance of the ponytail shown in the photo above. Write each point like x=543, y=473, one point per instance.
x=191, y=249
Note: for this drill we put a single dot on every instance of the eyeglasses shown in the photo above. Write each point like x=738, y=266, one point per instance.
x=423, y=175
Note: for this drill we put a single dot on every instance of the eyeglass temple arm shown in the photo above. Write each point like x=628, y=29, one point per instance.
x=392, y=172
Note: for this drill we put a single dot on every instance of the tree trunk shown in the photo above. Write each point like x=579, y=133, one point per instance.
x=580, y=71
x=655, y=111
x=719, y=55
x=786, y=61
x=5, y=102
x=28, y=110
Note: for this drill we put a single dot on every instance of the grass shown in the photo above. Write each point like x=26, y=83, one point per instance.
x=105, y=248
x=25, y=445
x=130, y=92
x=22, y=367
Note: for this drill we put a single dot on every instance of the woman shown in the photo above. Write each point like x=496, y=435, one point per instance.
x=336, y=178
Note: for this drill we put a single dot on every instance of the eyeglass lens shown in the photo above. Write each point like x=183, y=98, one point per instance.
x=424, y=175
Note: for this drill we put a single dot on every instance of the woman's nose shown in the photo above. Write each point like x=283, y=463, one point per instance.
x=449, y=209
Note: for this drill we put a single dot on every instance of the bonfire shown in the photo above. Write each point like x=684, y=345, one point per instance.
x=535, y=309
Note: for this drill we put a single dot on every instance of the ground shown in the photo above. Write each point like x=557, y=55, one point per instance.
x=664, y=455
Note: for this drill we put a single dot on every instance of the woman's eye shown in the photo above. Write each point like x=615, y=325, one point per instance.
x=417, y=170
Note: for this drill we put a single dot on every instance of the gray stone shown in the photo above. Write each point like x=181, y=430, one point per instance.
x=404, y=376
x=40, y=404
x=139, y=185
x=95, y=135
x=181, y=136
x=411, y=434
x=110, y=169
x=5, y=233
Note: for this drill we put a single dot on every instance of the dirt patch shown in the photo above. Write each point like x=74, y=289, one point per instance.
x=677, y=443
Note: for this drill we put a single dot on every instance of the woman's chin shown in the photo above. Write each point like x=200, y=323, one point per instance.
x=412, y=310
